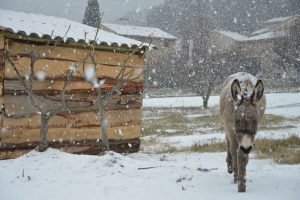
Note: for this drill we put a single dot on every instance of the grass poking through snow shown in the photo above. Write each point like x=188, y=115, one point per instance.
x=285, y=151
x=213, y=147
x=179, y=121
x=276, y=122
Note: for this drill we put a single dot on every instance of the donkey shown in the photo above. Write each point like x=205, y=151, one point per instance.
x=242, y=106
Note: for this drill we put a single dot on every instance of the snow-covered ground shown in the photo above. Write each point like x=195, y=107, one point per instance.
x=57, y=175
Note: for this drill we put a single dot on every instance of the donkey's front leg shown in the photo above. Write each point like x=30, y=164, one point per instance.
x=242, y=163
x=233, y=151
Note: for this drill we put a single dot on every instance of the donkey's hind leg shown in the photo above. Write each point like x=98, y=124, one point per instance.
x=229, y=157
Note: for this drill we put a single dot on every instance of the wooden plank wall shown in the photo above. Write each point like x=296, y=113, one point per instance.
x=74, y=131
x=1, y=83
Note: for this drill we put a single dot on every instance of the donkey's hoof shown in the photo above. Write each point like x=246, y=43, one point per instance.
x=242, y=188
x=229, y=169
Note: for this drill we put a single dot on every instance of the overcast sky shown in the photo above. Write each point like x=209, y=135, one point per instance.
x=74, y=9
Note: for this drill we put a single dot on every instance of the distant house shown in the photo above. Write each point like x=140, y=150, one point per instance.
x=78, y=131
x=157, y=60
x=225, y=40
x=278, y=24
x=259, y=46
x=146, y=34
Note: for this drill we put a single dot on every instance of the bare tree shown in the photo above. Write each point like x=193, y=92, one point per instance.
x=44, y=108
x=124, y=74
x=47, y=109
x=197, y=56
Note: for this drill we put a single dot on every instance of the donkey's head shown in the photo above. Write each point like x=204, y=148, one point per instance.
x=245, y=113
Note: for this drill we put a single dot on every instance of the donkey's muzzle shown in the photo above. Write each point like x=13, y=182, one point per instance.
x=246, y=150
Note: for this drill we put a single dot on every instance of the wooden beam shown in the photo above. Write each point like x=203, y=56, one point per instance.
x=75, y=54
x=23, y=135
x=11, y=154
x=88, y=147
x=76, y=120
x=21, y=106
x=53, y=87
x=59, y=68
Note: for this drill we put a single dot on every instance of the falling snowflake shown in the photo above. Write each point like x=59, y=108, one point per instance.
x=40, y=75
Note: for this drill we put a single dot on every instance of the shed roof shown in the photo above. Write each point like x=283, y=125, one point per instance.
x=141, y=31
x=49, y=27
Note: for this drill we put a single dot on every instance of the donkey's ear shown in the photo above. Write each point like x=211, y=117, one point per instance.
x=236, y=90
x=258, y=91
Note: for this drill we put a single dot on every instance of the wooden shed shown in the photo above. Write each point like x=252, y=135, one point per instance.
x=58, y=46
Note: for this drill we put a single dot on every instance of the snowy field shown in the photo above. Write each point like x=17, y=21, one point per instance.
x=60, y=176
x=275, y=103
x=147, y=175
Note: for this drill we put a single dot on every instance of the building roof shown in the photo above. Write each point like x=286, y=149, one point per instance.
x=140, y=31
x=233, y=35
x=260, y=31
x=269, y=35
x=271, y=24
x=49, y=27
x=263, y=36
x=278, y=19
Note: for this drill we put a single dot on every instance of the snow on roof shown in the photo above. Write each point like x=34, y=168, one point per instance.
x=278, y=19
x=38, y=25
x=263, y=36
x=259, y=31
x=273, y=22
x=138, y=31
x=269, y=35
x=233, y=35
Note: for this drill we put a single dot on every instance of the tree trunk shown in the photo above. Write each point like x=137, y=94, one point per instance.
x=206, y=97
x=43, y=133
x=103, y=122
x=205, y=102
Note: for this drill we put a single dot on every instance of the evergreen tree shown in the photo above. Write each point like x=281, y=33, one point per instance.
x=92, y=15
